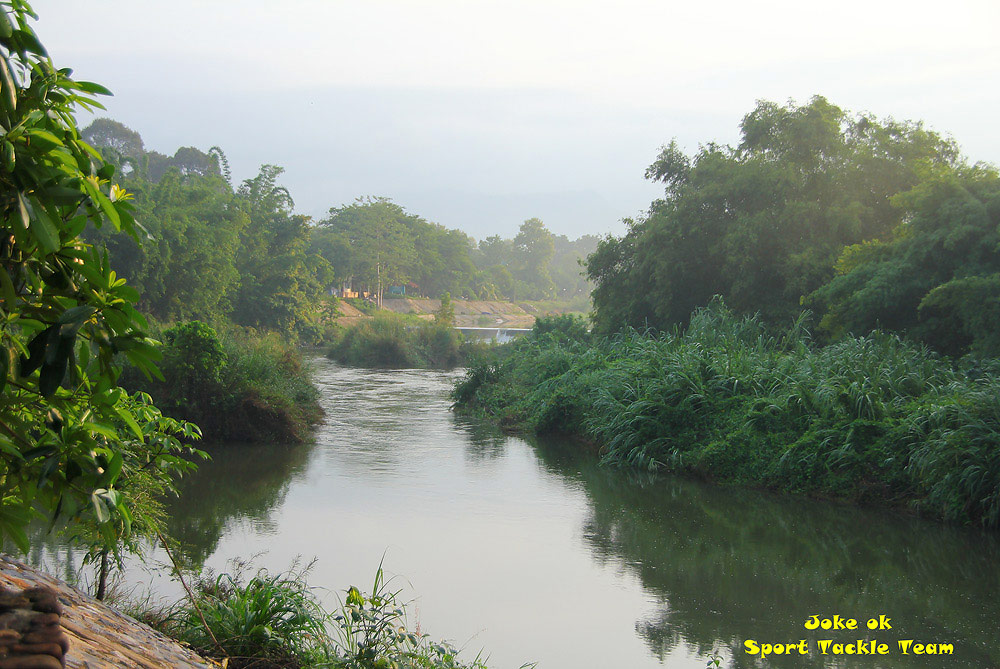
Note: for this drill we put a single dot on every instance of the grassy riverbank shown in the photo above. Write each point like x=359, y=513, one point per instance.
x=236, y=385
x=871, y=419
x=389, y=340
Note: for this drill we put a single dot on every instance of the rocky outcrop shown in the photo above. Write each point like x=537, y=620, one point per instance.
x=41, y=617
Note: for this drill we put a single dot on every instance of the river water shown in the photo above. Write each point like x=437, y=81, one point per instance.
x=532, y=552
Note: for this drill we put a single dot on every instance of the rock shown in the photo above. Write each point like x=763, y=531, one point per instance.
x=41, y=614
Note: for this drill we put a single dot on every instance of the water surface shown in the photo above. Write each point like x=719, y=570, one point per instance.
x=533, y=552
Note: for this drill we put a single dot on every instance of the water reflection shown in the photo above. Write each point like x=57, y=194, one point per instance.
x=241, y=483
x=729, y=565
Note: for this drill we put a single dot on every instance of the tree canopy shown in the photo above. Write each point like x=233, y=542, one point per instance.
x=763, y=223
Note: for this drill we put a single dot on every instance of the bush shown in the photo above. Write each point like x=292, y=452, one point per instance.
x=275, y=621
x=389, y=340
x=238, y=386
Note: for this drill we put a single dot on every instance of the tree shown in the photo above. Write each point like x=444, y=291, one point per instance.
x=937, y=279
x=533, y=248
x=72, y=444
x=762, y=223
x=380, y=240
x=282, y=283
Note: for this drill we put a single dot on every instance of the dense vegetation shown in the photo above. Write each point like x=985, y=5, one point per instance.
x=882, y=228
x=277, y=621
x=374, y=243
x=214, y=251
x=73, y=445
x=870, y=418
x=238, y=386
x=872, y=223
x=392, y=341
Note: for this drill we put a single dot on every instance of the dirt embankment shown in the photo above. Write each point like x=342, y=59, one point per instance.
x=98, y=635
x=468, y=313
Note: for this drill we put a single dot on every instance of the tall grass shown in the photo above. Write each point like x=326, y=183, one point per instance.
x=237, y=385
x=869, y=418
x=393, y=341
x=275, y=621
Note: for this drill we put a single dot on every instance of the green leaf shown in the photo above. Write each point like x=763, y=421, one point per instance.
x=113, y=469
x=6, y=27
x=9, y=88
x=51, y=377
x=46, y=230
x=129, y=420
x=91, y=87
x=100, y=510
x=7, y=290
x=43, y=139
x=77, y=315
x=28, y=42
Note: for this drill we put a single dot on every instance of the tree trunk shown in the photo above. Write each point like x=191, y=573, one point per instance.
x=102, y=578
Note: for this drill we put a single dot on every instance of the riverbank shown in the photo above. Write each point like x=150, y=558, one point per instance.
x=236, y=384
x=872, y=420
x=391, y=341
x=99, y=635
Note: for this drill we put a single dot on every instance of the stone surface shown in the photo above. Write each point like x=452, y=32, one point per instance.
x=98, y=636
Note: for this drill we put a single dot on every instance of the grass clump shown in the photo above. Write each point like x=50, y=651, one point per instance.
x=275, y=621
x=390, y=340
x=873, y=419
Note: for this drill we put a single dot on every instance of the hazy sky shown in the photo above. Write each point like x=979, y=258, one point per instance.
x=478, y=115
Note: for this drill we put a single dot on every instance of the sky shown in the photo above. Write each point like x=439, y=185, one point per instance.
x=480, y=114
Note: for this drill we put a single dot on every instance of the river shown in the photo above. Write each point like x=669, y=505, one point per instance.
x=532, y=552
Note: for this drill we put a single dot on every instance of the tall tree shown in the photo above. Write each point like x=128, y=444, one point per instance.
x=762, y=223
x=381, y=242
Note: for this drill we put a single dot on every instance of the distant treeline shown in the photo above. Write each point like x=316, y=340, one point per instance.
x=216, y=251
x=871, y=224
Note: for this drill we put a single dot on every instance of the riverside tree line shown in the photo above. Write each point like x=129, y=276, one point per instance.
x=814, y=310
x=217, y=250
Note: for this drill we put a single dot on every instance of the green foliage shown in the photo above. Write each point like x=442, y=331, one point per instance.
x=762, y=223
x=238, y=386
x=867, y=418
x=268, y=620
x=373, y=243
x=373, y=634
x=276, y=621
x=563, y=327
x=282, y=283
x=445, y=314
x=392, y=341
x=71, y=441
x=211, y=253
x=936, y=279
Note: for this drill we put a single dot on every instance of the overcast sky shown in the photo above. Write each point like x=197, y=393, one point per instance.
x=478, y=115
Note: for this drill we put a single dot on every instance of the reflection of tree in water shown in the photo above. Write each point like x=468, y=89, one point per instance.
x=485, y=442
x=729, y=565
x=241, y=481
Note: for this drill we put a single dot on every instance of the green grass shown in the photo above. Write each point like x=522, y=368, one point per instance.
x=237, y=385
x=275, y=621
x=390, y=340
x=871, y=419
